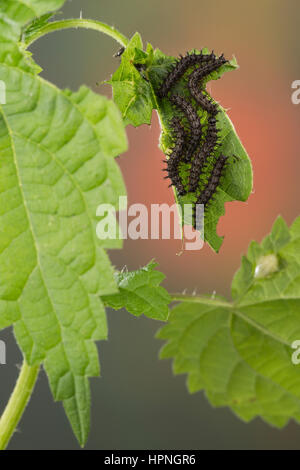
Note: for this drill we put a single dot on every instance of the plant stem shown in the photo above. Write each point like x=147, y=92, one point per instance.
x=78, y=23
x=17, y=403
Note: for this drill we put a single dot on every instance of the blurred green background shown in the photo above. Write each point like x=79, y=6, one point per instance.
x=138, y=404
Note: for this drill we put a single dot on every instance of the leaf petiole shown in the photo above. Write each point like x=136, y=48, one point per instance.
x=201, y=300
x=77, y=23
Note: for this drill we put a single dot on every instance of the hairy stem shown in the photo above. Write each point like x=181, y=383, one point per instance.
x=17, y=403
x=202, y=300
x=78, y=23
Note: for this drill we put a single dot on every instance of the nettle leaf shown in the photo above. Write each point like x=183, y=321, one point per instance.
x=140, y=293
x=241, y=353
x=57, y=166
x=132, y=93
x=135, y=86
x=9, y=30
x=23, y=11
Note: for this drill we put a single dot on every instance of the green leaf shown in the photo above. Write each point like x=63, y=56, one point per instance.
x=57, y=166
x=247, y=284
x=131, y=92
x=23, y=11
x=241, y=353
x=140, y=293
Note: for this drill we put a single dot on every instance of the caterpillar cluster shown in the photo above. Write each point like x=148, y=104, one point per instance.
x=181, y=66
x=191, y=145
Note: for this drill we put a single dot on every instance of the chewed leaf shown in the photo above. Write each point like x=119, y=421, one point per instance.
x=136, y=86
x=236, y=183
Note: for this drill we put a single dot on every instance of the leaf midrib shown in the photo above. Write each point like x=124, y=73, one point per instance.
x=233, y=309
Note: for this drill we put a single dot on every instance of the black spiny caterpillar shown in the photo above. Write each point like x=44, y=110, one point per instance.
x=201, y=157
x=212, y=184
x=197, y=167
x=175, y=157
x=194, y=123
x=195, y=145
x=179, y=69
x=198, y=76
